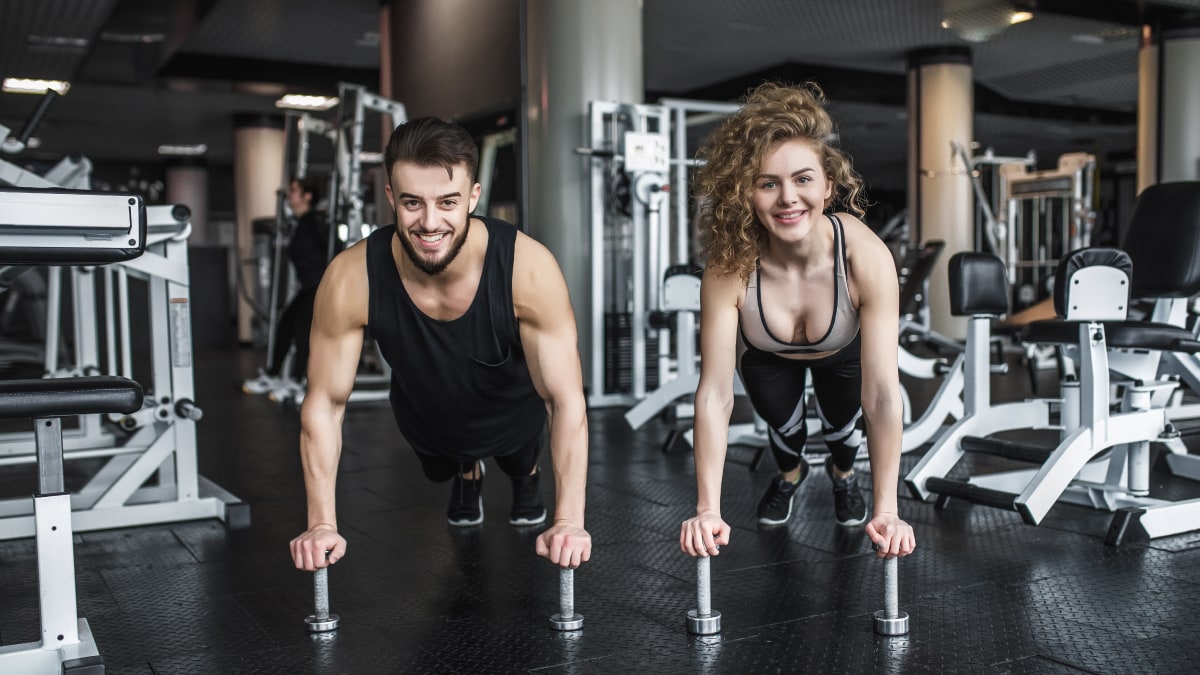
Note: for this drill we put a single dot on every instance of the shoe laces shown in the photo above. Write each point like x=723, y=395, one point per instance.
x=783, y=492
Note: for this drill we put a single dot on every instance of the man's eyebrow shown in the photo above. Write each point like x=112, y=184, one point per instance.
x=412, y=196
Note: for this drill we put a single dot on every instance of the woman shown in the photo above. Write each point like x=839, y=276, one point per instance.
x=791, y=287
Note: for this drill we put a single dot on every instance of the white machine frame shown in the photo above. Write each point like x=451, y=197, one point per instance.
x=1077, y=470
x=66, y=643
x=162, y=442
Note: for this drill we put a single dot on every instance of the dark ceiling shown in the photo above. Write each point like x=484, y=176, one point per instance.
x=147, y=72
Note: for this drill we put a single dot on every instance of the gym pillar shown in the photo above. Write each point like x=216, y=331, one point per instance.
x=575, y=52
x=940, y=109
x=257, y=175
x=187, y=184
x=1168, y=105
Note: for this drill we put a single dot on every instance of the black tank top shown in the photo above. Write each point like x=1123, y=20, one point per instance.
x=460, y=388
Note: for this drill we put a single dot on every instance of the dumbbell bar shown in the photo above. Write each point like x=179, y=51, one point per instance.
x=322, y=621
x=890, y=620
x=566, y=619
x=703, y=620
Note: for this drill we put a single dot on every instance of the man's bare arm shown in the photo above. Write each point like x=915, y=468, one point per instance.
x=550, y=340
x=335, y=345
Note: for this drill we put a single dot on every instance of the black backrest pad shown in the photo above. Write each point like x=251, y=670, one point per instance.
x=1086, y=257
x=978, y=284
x=919, y=267
x=1164, y=241
x=60, y=397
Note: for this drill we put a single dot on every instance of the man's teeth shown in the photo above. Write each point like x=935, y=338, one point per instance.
x=432, y=237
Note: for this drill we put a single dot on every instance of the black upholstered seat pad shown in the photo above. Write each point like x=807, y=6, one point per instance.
x=1121, y=334
x=59, y=397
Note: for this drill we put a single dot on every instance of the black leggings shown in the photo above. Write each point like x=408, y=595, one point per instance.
x=294, y=326
x=520, y=462
x=776, y=385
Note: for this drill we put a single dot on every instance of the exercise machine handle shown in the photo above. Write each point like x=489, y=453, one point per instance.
x=40, y=111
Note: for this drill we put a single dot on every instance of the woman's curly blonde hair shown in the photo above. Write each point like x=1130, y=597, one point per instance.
x=733, y=239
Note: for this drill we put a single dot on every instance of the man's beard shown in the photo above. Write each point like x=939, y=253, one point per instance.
x=434, y=267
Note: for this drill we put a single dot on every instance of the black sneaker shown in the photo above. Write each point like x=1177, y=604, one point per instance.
x=527, y=505
x=466, y=500
x=849, y=507
x=775, y=508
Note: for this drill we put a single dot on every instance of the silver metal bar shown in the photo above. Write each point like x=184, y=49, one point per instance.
x=566, y=592
x=321, y=593
x=891, y=594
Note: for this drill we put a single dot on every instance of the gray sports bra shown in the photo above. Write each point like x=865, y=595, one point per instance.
x=753, y=331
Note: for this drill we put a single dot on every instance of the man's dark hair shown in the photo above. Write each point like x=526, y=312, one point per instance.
x=430, y=141
x=310, y=186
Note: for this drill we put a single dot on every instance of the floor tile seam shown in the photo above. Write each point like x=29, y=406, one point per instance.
x=1039, y=655
x=573, y=662
x=1117, y=638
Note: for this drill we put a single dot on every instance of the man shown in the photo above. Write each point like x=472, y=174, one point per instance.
x=309, y=253
x=474, y=319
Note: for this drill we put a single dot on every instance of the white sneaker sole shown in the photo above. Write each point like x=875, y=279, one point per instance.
x=469, y=523
x=524, y=522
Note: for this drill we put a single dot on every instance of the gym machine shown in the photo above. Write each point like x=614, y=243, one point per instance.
x=1049, y=213
x=488, y=150
x=63, y=227
x=346, y=204
x=157, y=441
x=679, y=297
x=629, y=151
x=346, y=211
x=70, y=172
x=1102, y=459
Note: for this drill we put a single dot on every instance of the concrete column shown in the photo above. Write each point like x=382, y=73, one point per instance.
x=1168, y=105
x=257, y=176
x=575, y=51
x=940, y=113
x=187, y=184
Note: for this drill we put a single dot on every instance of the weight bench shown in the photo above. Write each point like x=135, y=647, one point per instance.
x=66, y=644
x=63, y=227
x=1102, y=459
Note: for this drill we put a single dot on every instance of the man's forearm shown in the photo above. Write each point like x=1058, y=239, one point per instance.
x=568, y=451
x=320, y=450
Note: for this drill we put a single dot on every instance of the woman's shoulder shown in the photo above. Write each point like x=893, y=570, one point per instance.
x=860, y=236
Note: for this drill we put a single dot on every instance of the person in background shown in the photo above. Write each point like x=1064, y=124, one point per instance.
x=308, y=251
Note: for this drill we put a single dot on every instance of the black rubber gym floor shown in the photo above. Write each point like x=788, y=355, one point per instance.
x=985, y=592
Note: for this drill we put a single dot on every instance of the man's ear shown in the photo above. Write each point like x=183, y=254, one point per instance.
x=475, y=192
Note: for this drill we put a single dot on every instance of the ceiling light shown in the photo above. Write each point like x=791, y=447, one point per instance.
x=980, y=20
x=58, y=42
x=133, y=38
x=22, y=85
x=183, y=150
x=369, y=157
x=304, y=102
